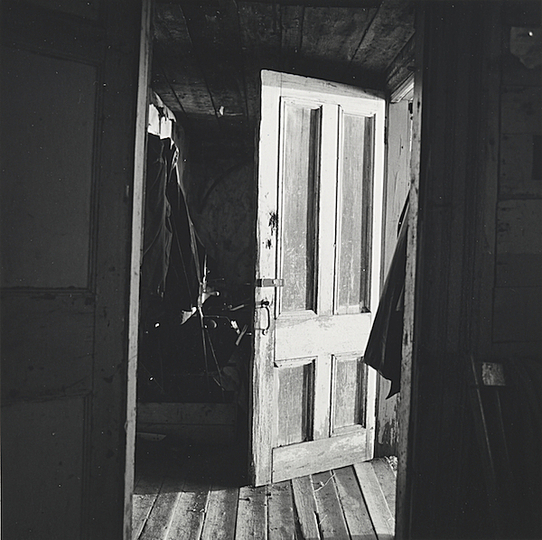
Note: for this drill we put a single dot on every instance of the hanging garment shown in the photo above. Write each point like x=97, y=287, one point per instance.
x=157, y=230
x=384, y=347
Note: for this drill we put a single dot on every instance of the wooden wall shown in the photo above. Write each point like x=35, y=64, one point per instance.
x=517, y=308
x=72, y=151
x=397, y=184
x=477, y=267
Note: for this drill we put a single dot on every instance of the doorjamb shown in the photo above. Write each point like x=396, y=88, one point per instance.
x=138, y=192
x=406, y=403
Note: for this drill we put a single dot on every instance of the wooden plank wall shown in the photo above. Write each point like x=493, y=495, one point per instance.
x=517, y=308
x=396, y=190
x=478, y=287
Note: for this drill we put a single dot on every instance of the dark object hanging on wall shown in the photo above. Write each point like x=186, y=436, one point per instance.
x=384, y=348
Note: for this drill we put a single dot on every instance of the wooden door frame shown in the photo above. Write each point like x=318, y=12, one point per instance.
x=136, y=254
x=404, y=408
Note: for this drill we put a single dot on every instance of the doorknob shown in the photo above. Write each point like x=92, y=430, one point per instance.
x=264, y=304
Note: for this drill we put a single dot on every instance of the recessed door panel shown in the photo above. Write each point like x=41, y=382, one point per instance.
x=295, y=393
x=348, y=390
x=354, y=214
x=45, y=194
x=299, y=181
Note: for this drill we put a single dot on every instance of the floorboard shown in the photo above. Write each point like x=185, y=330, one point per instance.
x=186, y=493
x=305, y=507
x=221, y=514
x=331, y=521
x=355, y=511
x=373, y=494
x=280, y=512
x=252, y=513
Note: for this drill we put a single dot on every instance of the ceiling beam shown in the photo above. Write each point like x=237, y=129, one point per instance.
x=301, y=3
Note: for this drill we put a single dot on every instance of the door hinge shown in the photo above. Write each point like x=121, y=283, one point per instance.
x=269, y=282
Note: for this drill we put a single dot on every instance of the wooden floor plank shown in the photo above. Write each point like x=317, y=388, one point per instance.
x=145, y=494
x=221, y=514
x=252, y=513
x=387, y=479
x=157, y=525
x=189, y=512
x=174, y=472
x=331, y=520
x=383, y=521
x=305, y=507
x=355, y=511
x=281, y=512
x=142, y=505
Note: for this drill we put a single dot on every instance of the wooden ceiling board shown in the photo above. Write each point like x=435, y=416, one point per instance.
x=402, y=66
x=330, y=39
x=291, y=25
x=208, y=55
x=334, y=33
x=260, y=42
x=390, y=29
x=214, y=33
x=177, y=77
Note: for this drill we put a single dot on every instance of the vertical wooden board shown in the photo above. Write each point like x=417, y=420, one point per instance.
x=331, y=520
x=397, y=178
x=521, y=110
x=261, y=415
x=387, y=479
x=281, y=522
x=305, y=507
x=406, y=404
x=383, y=521
x=221, y=514
x=517, y=313
x=519, y=244
x=519, y=270
x=519, y=175
x=354, y=508
x=519, y=223
x=387, y=428
x=252, y=513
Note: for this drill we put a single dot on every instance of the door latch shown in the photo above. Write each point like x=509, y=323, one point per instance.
x=264, y=304
x=269, y=282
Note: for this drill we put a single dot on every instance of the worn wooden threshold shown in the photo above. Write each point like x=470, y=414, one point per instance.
x=187, y=494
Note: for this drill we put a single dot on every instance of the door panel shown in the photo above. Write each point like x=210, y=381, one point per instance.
x=298, y=231
x=318, y=232
x=347, y=396
x=69, y=112
x=354, y=213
